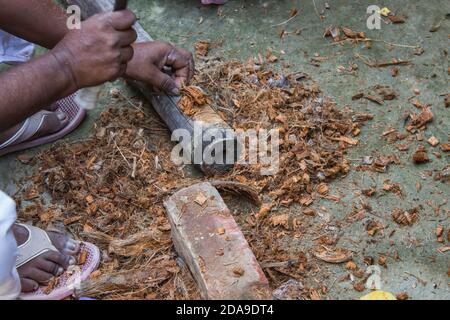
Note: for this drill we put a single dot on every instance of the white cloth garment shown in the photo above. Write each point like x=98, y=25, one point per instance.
x=14, y=50
x=9, y=278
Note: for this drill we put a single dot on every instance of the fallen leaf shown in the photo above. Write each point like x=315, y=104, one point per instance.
x=397, y=19
x=402, y=296
x=445, y=147
x=24, y=158
x=338, y=255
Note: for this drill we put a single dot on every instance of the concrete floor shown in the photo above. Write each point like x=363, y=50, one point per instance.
x=245, y=28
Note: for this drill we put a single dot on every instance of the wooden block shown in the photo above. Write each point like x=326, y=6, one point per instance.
x=207, y=237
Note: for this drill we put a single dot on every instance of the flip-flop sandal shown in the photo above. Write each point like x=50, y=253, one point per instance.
x=20, y=141
x=38, y=243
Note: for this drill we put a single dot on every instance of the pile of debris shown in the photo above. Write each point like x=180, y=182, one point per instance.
x=314, y=133
x=110, y=189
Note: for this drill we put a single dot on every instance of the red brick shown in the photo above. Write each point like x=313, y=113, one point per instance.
x=207, y=237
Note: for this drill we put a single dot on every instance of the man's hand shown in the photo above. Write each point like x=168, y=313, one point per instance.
x=148, y=63
x=100, y=50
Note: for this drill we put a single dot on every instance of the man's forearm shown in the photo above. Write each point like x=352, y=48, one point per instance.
x=38, y=21
x=25, y=89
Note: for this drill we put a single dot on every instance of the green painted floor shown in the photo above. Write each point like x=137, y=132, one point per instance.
x=246, y=28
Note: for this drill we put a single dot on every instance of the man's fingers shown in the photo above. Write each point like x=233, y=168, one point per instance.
x=182, y=63
x=126, y=54
x=122, y=20
x=123, y=69
x=180, y=81
x=191, y=65
x=127, y=37
x=163, y=82
x=182, y=60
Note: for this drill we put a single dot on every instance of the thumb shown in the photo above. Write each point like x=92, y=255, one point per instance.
x=163, y=82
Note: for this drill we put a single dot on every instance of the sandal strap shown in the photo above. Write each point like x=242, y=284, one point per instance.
x=28, y=129
x=38, y=243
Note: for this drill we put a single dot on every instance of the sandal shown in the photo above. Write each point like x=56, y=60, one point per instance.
x=21, y=140
x=38, y=243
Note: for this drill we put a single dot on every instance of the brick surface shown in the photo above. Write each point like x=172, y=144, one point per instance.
x=207, y=237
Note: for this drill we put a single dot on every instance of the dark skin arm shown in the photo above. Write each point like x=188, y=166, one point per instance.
x=24, y=90
x=38, y=21
x=96, y=53
x=48, y=27
x=28, y=88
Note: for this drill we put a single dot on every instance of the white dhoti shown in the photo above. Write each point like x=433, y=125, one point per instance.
x=9, y=278
x=14, y=50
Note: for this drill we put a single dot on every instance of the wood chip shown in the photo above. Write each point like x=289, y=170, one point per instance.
x=338, y=255
x=349, y=140
x=71, y=220
x=395, y=71
x=402, y=296
x=351, y=266
x=397, y=19
x=360, y=286
x=433, y=141
x=421, y=119
x=374, y=99
x=238, y=271
x=445, y=147
x=439, y=232
x=352, y=34
x=280, y=220
x=202, y=48
x=420, y=155
x=24, y=158
x=82, y=257
x=405, y=217
x=322, y=188
x=382, y=260
x=402, y=147
x=444, y=249
x=309, y=212
x=201, y=199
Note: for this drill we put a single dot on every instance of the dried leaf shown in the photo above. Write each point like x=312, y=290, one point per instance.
x=338, y=255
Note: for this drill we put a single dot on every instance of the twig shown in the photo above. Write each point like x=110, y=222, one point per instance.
x=418, y=279
x=129, y=101
x=315, y=8
x=382, y=64
x=374, y=40
x=285, y=22
x=122, y=154
x=282, y=264
x=133, y=172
